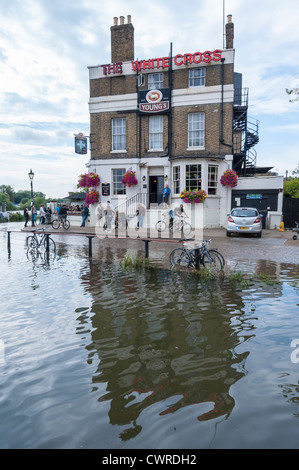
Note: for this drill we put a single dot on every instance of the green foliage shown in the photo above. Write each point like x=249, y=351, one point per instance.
x=291, y=187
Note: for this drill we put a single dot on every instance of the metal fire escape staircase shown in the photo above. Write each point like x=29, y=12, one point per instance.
x=245, y=135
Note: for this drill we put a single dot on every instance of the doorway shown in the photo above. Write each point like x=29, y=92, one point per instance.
x=156, y=185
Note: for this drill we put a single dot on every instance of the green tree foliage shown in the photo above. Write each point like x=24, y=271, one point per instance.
x=8, y=190
x=291, y=187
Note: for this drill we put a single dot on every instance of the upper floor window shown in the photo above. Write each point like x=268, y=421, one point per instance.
x=196, y=130
x=197, y=77
x=212, y=179
x=155, y=81
x=193, y=177
x=118, y=134
x=176, y=180
x=156, y=133
x=118, y=187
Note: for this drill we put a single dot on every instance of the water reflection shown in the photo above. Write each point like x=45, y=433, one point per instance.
x=165, y=342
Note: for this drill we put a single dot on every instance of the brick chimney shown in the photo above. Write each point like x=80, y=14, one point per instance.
x=229, y=30
x=122, y=40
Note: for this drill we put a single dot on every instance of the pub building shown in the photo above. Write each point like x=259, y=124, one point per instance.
x=179, y=120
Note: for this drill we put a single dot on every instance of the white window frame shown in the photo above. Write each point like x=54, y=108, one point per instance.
x=193, y=176
x=118, y=131
x=155, y=81
x=176, y=176
x=196, y=131
x=155, y=133
x=117, y=186
x=197, y=77
x=212, y=179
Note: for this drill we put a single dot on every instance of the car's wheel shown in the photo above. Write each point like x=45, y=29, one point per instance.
x=228, y=234
x=294, y=237
x=259, y=235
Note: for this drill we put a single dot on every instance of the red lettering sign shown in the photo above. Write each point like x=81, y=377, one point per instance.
x=179, y=59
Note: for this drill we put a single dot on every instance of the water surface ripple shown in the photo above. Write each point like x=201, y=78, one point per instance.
x=94, y=356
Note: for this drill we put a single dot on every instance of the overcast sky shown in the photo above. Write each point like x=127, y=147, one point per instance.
x=47, y=45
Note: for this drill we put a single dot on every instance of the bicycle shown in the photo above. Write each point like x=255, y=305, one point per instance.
x=178, y=225
x=40, y=244
x=56, y=224
x=193, y=257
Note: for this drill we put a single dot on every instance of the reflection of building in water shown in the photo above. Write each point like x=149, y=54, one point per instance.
x=169, y=342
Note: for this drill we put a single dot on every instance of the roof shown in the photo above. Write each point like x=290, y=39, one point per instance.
x=76, y=197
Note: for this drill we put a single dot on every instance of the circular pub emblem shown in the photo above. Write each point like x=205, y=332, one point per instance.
x=154, y=96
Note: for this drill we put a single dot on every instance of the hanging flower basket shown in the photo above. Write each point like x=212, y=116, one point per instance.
x=89, y=180
x=92, y=197
x=196, y=196
x=229, y=178
x=129, y=179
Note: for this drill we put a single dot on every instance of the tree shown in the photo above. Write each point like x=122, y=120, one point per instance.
x=295, y=92
x=8, y=190
x=291, y=187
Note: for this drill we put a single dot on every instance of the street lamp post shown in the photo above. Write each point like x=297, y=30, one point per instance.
x=31, y=176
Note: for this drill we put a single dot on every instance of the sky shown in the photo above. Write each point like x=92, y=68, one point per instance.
x=47, y=46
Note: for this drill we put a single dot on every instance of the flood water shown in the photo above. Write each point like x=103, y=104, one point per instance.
x=96, y=356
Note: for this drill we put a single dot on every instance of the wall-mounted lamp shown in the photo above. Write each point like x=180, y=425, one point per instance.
x=166, y=178
x=143, y=178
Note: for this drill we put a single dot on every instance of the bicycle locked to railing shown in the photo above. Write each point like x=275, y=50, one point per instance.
x=190, y=256
x=40, y=242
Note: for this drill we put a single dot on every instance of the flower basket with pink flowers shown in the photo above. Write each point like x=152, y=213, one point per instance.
x=88, y=180
x=229, y=178
x=195, y=196
x=129, y=179
x=92, y=197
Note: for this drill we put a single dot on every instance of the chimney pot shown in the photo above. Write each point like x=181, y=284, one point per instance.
x=229, y=18
x=129, y=19
x=122, y=20
x=115, y=21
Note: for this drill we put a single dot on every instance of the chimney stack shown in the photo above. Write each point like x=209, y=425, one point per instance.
x=229, y=30
x=122, y=40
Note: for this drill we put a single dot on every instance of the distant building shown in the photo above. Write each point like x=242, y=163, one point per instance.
x=176, y=119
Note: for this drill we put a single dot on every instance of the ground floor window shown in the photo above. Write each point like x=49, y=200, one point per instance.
x=117, y=185
x=176, y=180
x=212, y=179
x=193, y=177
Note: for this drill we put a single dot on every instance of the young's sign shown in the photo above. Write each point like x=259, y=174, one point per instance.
x=154, y=101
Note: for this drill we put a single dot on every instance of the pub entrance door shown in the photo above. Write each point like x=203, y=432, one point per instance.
x=156, y=185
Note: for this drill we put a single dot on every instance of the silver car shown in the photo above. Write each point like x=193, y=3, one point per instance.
x=244, y=220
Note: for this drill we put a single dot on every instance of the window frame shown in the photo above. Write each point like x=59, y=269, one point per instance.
x=153, y=133
x=121, y=145
x=197, y=80
x=176, y=176
x=198, y=177
x=158, y=84
x=196, y=131
x=213, y=179
x=118, y=189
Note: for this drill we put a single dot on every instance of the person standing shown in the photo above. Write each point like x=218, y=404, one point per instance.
x=26, y=215
x=109, y=214
x=165, y=195
x=85, y=214
x=140, y=211
x=34, y=212
x=42, y=214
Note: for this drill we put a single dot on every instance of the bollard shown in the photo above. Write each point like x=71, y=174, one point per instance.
x=146, y=247
x=197, y=258
x=47, y=242
x=90, y=237
x=8, y=241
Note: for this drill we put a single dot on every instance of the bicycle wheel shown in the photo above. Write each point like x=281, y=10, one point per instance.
x=161, y=226
x=52, y=245
x=31, y=242
x=179, y=257
x=219, y=256
x=186, y=229
x=66, y=224
x=55, y=224
x=211, y=259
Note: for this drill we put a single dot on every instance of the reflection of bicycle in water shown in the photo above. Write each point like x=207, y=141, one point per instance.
x=176, y=224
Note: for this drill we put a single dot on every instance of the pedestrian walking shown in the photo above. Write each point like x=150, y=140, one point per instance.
x=26, y=215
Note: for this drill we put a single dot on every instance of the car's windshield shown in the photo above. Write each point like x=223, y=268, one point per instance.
x=244, y=213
